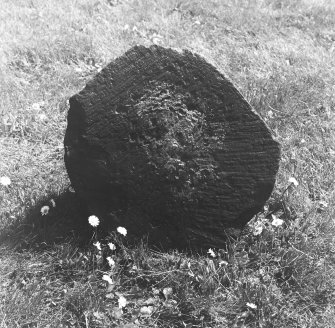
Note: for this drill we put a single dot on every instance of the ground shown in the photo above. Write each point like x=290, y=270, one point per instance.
x=280, y=272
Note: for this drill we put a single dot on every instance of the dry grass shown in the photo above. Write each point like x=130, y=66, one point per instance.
x=280, y=54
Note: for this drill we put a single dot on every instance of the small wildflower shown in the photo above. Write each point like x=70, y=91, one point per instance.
x=97, y=245
x=258, y=229
x=110, y=261
x=270, y=114
x=93, y=221
x=221, y=263
x=98, y=315
x=36, y=106
x=323, y=204
x=251, y=306
x=294, y=181
x=5, y=181
x=211, y=253
x=276, y=222
x=45, y=210
x=156, y=291
x=146, y=310
x=112, y=247
x=52, y=202
x=167, y=292
x=122, y=302
x=108, y=279
x=42, y=117
x=122, y=231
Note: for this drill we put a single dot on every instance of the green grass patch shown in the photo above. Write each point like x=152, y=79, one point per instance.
x=280, y=54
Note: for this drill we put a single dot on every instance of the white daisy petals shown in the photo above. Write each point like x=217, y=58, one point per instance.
x=45, y=210
x=276, y=222
x=111, y=246
x=293, y=181
x=122, y=302
x=97, y=245
x=5, y=181
x=108, y=279
x=211, y=253
x=93, y=221
x=122, y=231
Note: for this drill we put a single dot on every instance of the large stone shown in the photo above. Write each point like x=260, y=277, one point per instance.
x=161, y=142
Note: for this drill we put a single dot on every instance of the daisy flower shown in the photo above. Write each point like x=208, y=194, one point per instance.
x=42, y=117
x=293, y=181
x=5, y=181
x=258, y=229
x=211, y=253
x=223, y=263
x=122, y=231
x=108, y=279
x=93, y=221
x=251, y=306
x=122, y=302
x=111, y=246
x=45, y=210
x=110, y=261
x=97, y=245
x=276, y=222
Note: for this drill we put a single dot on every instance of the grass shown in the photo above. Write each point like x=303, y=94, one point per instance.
x=280, y=54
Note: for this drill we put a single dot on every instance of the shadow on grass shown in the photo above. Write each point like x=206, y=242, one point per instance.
x=66, y=221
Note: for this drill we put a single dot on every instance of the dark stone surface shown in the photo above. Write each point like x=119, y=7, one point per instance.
x=161, y=142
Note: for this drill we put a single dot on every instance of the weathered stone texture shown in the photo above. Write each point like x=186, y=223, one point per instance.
x=161, y=142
